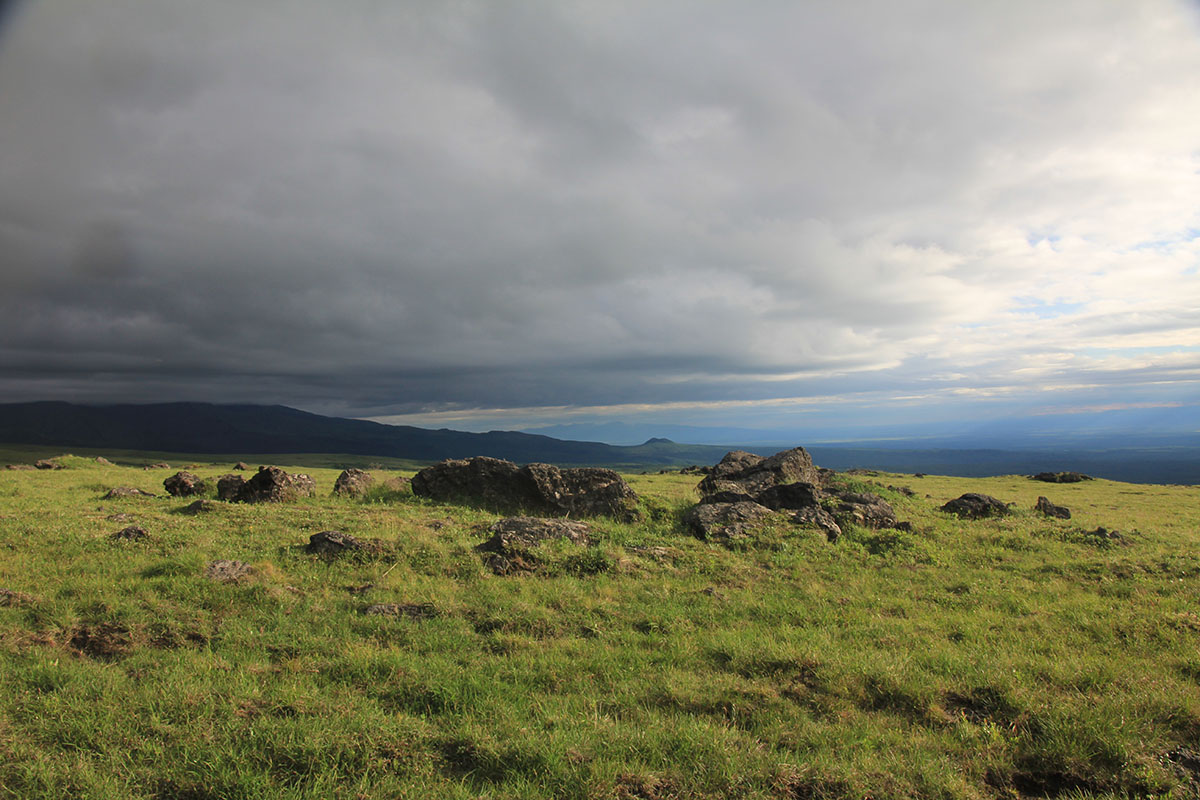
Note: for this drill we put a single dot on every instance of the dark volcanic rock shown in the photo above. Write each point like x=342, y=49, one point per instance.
x=333, y=543
x=791, y=496
x=229, y=485
x=746, y=474
x=1051, y=510
x=976, y=506
x=1061, y=477
x=273, y=485
x=725, y=521
x=125, y=491
x=534, y=488
x=818, y=517
x=353, y=483
x=865, y=509
x=201, y=506
x=184, y=484
x=47, y=463
x=132, y=534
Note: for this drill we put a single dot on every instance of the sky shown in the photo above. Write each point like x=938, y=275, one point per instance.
x=488, y=215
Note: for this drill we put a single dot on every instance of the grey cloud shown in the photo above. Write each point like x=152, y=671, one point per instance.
x=390, y=208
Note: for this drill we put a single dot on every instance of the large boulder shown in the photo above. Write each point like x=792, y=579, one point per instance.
x=976, y=506
x=273, y=485
x=184, y=484
x=229, y=485
x=535, y=488
x=353, y=483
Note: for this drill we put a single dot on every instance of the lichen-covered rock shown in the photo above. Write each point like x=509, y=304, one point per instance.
x=273, y=485
x=353, y=483
x=817, y=517
x=184, y=484
x=976, y=506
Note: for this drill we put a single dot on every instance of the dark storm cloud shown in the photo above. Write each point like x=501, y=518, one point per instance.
x=377, y=208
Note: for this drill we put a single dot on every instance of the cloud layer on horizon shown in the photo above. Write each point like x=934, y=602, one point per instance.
x=430, y=207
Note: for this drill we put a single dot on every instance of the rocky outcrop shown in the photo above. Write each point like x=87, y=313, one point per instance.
x=184, y=484
x=353, y=483
x=534, y=488
x=273, y=485
x=1045, y=507
x=976, y=506
x=787, y=481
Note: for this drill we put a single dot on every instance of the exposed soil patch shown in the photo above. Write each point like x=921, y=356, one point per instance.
x=104, y=641
x=8, y=597
x=226, y=571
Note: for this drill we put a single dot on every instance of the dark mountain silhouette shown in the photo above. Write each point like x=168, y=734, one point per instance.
x=208, y=428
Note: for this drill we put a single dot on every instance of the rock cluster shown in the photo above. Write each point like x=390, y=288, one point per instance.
x=744, y=488
x=533, y=489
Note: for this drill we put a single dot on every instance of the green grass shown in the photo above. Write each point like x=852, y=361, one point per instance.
x=999, y=658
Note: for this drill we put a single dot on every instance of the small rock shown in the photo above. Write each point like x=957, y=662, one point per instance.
x=353, y=483
x=158, y=465
x=332, y=543
x=201, y=506
x=47, y=463
x=241, y=466
x=226, y=571
x=21, y=467
x=120, y=517
x=1051, y=510
x=976, y=506
x=133, y=533
x=104, y=461
x=184, y=484
x=125, y=491
x=508, y=551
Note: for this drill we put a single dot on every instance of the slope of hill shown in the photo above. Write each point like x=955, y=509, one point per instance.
x=209, y=428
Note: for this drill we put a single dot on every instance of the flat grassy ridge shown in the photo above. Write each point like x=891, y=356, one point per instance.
x=1015, y=657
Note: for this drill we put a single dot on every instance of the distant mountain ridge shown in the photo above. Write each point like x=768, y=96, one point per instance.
x=212, y=428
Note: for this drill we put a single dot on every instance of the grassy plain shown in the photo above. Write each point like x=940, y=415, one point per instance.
x=997, y=658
